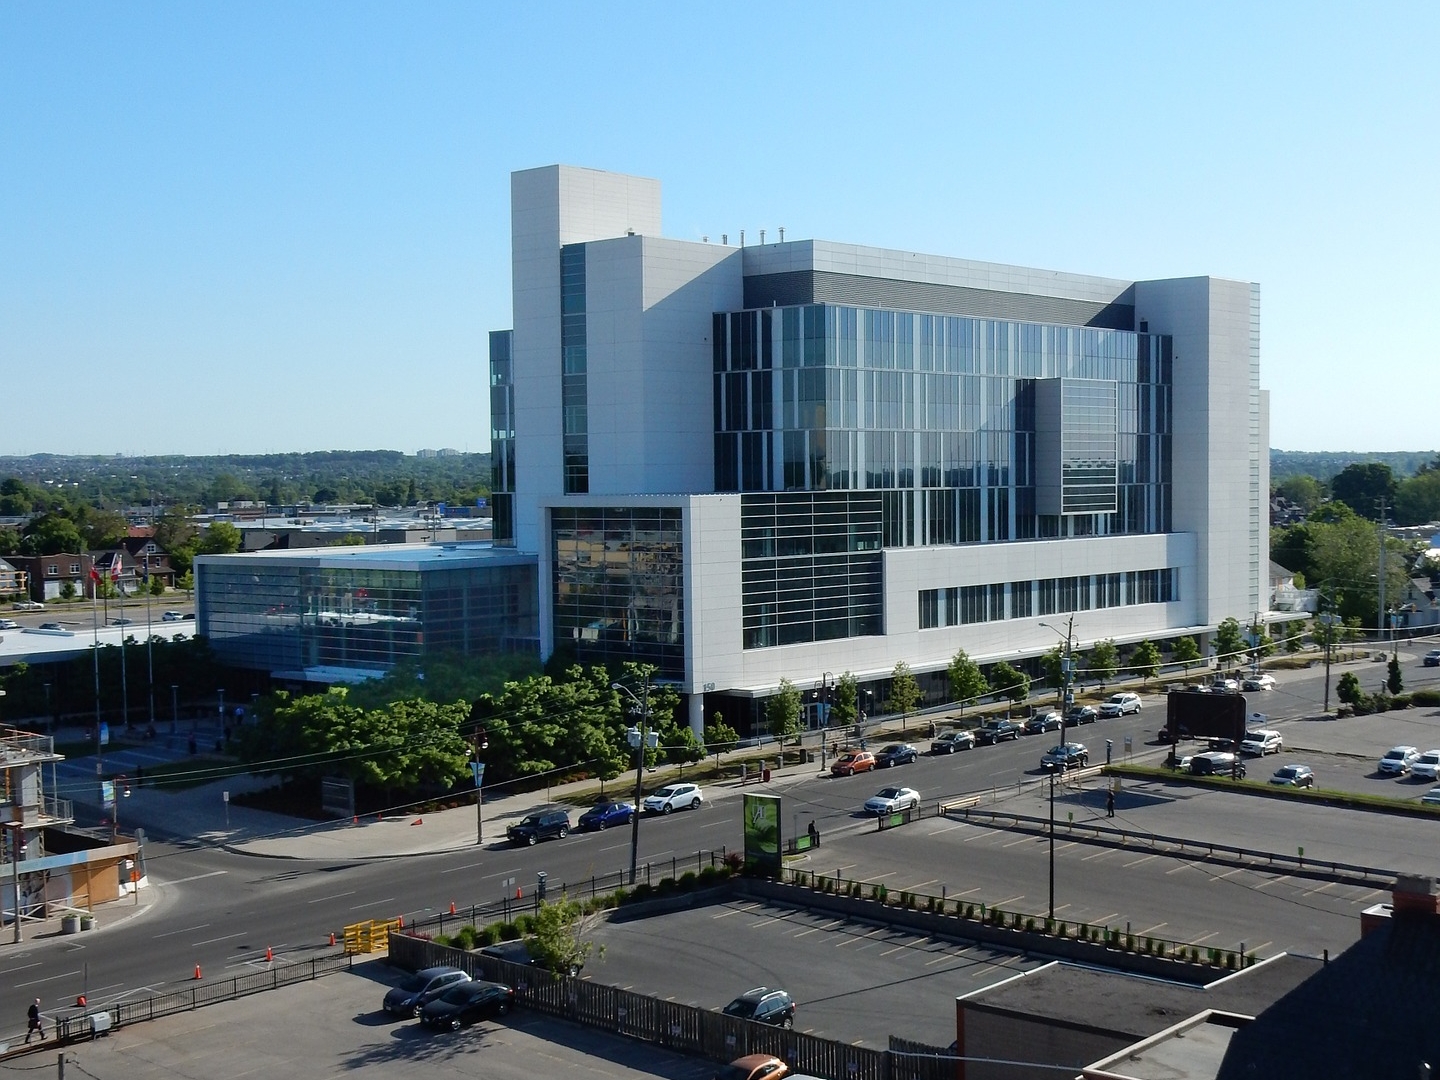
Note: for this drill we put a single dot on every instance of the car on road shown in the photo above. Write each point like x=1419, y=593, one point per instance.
x=52, y=626
x=1120, y=704
x=1397, y=760
x=674, y=797
x=754, y=1067
x=1262, y=741
x=551, y=824
x=604, y=814
x=1294, y=776
x=466, y=1003
x=424, y=986
x=1215, y=763
x=1222, y=685
x=1066, y=756
x=9, y=624
x=896, y=754
x=996, y=731
x=1431, y=658
x=1431, y=797
x=764, y=1006
x=171, y=616
x=950, y=741
x=1263, y=681
x=852, y=762
x=189, y=615
x=27, y=605
x=1427, y=765
x=1082, y=714
x=1042, y=722
x=892, y=800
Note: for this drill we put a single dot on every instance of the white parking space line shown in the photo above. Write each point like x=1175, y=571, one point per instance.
x=967, y=892
x=1098, y=855
x=863, y=938
x=1007, y=903
x=1142, y=859
x=1150, y=929
x=1104, y=920
x=1228, y=873
x=1274, y=881
x=1322, y=888
x=814, y=929
x=1199, y=940
x=920, y=885
x=1257, y=948
x=1022, y=840
x=1181, y=868
x=1367, y=897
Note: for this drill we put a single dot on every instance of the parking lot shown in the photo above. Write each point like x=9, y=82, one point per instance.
x=334, y=1027
x=855, y=981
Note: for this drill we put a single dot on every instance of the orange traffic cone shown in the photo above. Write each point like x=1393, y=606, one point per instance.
x=80, y=1001
x=197, y=971
x=452, y=907
x=418, y=821
x=332, y=937
x=269, y=955
x=355, y=820
x=517, y=892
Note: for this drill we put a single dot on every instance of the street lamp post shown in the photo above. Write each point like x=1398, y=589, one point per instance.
x=641, y=739
x=1067, y=670
x=482, y=741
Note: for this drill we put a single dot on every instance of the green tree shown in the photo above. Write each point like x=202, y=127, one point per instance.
x=560, y=936
x=1145, y=661
x=1103, y=661
x=9, y=541
x=67, y=590
x=445, y=677
x=904, y=690
x=1304, y=491
x=1185, y=652
x=782, y=711
x=1348, y=690
x=1229, y=641
x=720, y=737
x=1365, y=488
x=157, y=586
x=1417, y=499
x=219, y=538
x=101, y=529
x=51, y=534
x=967, y=681
x=1053, y=665
x=186, y=582
x=1009, y=683
x=845, y=709
x=679, y=745
x=1394, y=683
x=16, y=498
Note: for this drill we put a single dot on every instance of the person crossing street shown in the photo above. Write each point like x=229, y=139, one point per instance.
x=32, y=1014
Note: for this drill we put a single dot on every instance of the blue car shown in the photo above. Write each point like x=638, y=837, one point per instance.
x=605, y=814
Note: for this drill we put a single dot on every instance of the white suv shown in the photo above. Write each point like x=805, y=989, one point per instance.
x=1120, y=704
x=674, y=797
x=1427, y=765
x=1398, y=760
x=1260, y=742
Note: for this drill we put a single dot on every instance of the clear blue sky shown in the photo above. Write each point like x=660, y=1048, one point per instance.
x=252, y=227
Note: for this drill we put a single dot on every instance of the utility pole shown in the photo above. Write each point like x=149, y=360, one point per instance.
x=1380, y=618
x=642, y=740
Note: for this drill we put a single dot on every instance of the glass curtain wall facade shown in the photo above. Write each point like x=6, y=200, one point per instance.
x=619, y=575
x=937, y=416
x=502, y=437
x=282, y=615
x=574, y=360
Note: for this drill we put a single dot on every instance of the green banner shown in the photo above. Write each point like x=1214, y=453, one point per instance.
x=762, y=832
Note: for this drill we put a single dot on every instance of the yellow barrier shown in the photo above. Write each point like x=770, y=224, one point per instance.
x=369, y=936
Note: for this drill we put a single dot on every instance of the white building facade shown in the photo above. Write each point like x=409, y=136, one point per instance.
x=744, y=464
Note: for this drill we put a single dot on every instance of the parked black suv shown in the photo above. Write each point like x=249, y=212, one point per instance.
x=764, y=1006
x=539, y=825
x=994, y=731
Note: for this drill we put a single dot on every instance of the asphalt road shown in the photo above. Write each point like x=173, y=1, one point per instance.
x=222, y=911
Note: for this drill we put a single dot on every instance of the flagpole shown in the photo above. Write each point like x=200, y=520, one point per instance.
x=149, y=645
x=115, y=569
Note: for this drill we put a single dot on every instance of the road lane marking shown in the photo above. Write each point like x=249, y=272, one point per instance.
x=371, y=904
x=336, y=896
x=457, y=869
x=186, y=930
x=213, y=940
x=712, y=824
x=48, y=978
x=197, y=877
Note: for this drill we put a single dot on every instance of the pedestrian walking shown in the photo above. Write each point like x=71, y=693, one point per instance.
x=1110, y=803
x=814, y=835
x=32, y=1014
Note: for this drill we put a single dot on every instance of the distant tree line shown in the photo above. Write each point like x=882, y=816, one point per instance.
x=387, y=477
x=1364, y=487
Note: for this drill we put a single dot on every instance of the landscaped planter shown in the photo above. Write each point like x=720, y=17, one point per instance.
x=69, y=924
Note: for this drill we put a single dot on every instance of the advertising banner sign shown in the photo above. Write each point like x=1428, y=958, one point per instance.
x=762, y=832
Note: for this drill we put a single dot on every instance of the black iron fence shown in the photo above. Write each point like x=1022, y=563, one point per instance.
x=81, y=1023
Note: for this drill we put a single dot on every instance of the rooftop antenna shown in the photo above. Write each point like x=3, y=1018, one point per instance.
x=742, y=237
x=725, y=239
x=762, y=237
x=782, y=234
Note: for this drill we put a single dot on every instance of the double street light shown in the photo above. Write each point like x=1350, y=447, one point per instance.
x=641, y=739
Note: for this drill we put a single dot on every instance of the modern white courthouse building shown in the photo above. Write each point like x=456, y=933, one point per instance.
x=797, y=459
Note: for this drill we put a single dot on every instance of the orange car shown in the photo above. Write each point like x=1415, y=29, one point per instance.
x=754, y=1067
x=852, y=762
